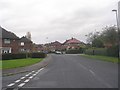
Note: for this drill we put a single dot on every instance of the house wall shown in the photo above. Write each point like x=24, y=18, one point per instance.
x=28, y=47
x=14, y=45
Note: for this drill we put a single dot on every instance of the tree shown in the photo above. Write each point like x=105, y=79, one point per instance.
x=110, y=35
x=95, y=40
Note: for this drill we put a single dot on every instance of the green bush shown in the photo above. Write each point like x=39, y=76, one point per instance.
x=10, y=56
x=13, y=56
x=112, y=51
x=96, y=51
x=81, y=50
x=38, y=55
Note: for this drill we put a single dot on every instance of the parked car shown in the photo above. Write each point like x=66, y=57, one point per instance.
x=58, y=52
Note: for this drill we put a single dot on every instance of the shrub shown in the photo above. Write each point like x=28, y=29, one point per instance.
x=75, y=51
x=13, y=56
x=10, y=56
x=96, y=51
x=113, y=51
x=38, y=55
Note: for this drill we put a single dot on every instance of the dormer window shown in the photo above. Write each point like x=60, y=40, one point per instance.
x=7, y=41
x=22, y=44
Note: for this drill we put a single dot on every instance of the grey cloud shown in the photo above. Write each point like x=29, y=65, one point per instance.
x=36, y=17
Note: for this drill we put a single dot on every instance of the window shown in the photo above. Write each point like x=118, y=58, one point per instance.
x=22, y=43
x=7, y=41
x=22, y=50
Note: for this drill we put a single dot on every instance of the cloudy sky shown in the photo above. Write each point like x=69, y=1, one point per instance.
x=51, y=20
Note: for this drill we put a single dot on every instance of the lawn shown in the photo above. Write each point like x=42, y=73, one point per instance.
x=103, y=58
x=8, y=64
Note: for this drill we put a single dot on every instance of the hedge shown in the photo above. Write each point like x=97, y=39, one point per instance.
x=96, y=51
x=75, y=51
x=22, y=55
x=38, y=55
x=113, y=51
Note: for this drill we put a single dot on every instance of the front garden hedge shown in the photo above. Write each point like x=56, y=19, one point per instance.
x=10, y=56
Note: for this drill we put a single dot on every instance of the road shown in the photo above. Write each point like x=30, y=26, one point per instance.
x=68, y=71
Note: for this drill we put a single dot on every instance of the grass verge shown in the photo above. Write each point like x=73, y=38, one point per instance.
x=103, y=58
x=9, y=64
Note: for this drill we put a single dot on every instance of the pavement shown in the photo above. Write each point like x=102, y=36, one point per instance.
x=67, y=71
x=39, y=65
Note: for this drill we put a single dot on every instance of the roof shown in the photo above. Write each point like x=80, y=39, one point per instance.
x=24, y=39
x=72, y=41
x=55, y=43
x=7, y=34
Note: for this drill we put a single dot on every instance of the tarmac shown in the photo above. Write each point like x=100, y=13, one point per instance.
x=36, y=66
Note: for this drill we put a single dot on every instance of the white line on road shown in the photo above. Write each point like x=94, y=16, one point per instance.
x=33, y=71
x=27, y=80
x=101, y=80
x=30, y=73
x=34, y=74
x=17, y=81
x=11, y=84
x=22, y=77
x=27, y=75
x=40, y=69
x=31, y=77
x=83, y=67
x=92, y=72
x=22, y=84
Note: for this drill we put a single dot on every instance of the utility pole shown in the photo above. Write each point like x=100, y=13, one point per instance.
x=117, y=12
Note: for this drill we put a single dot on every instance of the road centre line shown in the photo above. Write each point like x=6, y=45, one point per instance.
x=92, y=72
x=83, y=67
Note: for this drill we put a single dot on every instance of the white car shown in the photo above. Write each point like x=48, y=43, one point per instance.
x=58, y=52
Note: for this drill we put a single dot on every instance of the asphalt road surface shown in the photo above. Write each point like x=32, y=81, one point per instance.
x=67, y=71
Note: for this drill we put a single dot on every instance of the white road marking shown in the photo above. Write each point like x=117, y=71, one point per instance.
x=22, y=84
x=34, y=74
x=17, y=81
x=92, y=72
x=27, y=80
x=83, y=67
x=27, y=75
x=11, y=84
x=30, y=73
x=31, y=77
x=22, y=77
x=33, y=71
x=41, y=69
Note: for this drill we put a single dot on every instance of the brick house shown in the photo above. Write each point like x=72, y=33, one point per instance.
x=38, y=47
x=72, y=43
x=25, y=45
x=53, y=46
x=9, y=42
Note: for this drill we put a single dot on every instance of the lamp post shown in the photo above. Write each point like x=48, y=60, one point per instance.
x=116, y=12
